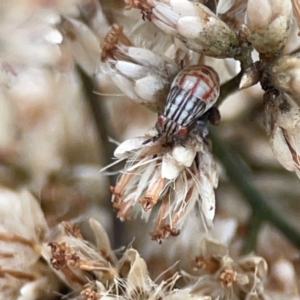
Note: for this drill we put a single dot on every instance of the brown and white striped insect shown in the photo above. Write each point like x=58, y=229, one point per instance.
x=193, y=92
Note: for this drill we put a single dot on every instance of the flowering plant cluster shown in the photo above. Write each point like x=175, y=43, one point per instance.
x=176, y=61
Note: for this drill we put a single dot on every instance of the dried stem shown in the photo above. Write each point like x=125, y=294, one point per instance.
x=229, y=87
x=254, y=225
x=261, y=209
x=104, y=131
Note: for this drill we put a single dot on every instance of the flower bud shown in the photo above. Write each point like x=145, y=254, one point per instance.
x=142, y=75
x=193, y=23
x=269, y=22
x=282, y=123
x=285, y=74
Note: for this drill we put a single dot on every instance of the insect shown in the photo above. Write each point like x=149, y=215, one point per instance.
x=193, y=92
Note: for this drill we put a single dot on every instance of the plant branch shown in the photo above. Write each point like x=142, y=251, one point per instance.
x=104, y=131
x=258, y=203
x=229, y=87
x=100, y=116
x=254, y=225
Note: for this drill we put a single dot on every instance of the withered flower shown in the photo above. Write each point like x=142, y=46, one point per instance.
x=269, y=22
x=177, y=176
x=282, y=123
x=142, y=75
x=23, y=229
x=285, y=74
x=191, y=22
x=224, y=277
x=77, y=261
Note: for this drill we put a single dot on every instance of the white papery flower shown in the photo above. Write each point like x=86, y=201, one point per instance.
x=285, y=73
x=178, y=176
x=192, y=22
x=135, y=284
x=282, y=123
x=223, y=277
x=23, y=229
x=142, y=75
x=77, y=261
x=270, y=23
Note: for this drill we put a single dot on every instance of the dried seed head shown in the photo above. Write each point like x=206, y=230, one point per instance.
x=174, y=174
x=269, y=22
x=285, y=74
x=193, y=23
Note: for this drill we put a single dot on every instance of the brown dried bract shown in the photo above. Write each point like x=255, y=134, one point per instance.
x=122, y=207
x=16, y=274
x=113, y=38
x=62, y=258
x=164, y=230
x=211, y=264
x=295, y=155
x=227, y=278
x=72, y=259
x=58, y=251
x=90, y=294
x=14, y=238
x=152, y=195
x=144, y=5
x=72, y=229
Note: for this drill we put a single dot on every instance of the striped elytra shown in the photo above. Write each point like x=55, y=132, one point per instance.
x=193, y=91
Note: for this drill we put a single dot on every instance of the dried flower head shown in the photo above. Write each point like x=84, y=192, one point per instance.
x=227, y=278
x=133, y=282
x=178, y=176
x=282, y=116
x=23, y=229
x=142, y=75
x=269, y=22
x=193, y=23
x=286, y=76
x=76, y=261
